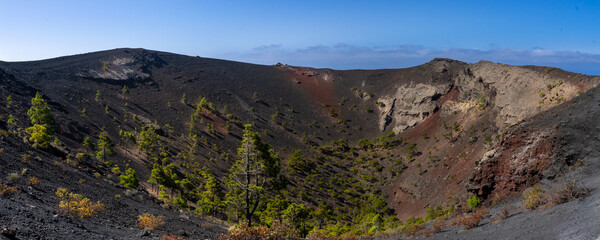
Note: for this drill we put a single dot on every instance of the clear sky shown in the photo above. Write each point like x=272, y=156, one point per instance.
x=334, y=34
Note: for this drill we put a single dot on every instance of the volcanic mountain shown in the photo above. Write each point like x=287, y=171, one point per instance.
x=381, y=153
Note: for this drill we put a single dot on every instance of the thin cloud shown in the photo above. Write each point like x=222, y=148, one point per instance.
x=345, y=56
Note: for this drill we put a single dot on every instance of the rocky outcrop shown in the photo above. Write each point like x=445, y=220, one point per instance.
x=124, y=67
x=410, y=105
x=514, y=93
x=513, y=165
x=543, y=147
x=479, y=125
x=517, y=93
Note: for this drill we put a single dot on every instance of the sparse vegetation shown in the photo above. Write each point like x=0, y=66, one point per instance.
x=532, y=198
x=149, y=221
x=11, y=120
x=472, y=220
x=171, y=237
x=437, y=212
x=332, y=185
x=297, y=161
x=129, y=179
x=99, y=96
x=255, y=97
x=13, y=177
x=9, y=101
x=473, y=202
x=245, y=232
x=88, y=143
x=570, y=191
x=6, y=190
x=73, y=205
x=504, y=213
x=33, y=181
x=551, y=86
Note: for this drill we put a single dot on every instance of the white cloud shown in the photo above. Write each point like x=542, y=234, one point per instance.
x=344, y=56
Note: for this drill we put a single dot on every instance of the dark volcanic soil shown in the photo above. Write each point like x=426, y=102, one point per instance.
x=484, y=128
x=33, y=210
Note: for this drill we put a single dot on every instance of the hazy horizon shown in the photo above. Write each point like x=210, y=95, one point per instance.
x=337, y=34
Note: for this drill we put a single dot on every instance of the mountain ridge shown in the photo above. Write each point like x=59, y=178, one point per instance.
x=453, y=122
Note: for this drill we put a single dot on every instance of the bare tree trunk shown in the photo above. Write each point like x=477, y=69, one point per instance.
x=248, y=217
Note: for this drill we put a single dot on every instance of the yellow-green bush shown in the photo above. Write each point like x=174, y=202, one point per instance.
x=72, y=204
x=34, y=181
x=533, y=198
x=7, y=190
x=149, y=221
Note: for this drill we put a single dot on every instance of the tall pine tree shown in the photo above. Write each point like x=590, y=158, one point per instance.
x=39, y=113
x=254, y=173
x=43, y=122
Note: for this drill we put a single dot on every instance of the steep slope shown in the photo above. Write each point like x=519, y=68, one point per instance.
x=32, y=210
x=553, y=149
x=485, y=101
x=425, y=136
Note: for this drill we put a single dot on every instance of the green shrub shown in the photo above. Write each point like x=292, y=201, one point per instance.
x=297, y=161
x=99, y=96
x=13, y=176
x=413, y=226
x=88, y=143
x=11, y=120
x=438, y=212
x=473, y=202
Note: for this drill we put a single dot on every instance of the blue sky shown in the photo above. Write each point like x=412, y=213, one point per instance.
x=334, y=34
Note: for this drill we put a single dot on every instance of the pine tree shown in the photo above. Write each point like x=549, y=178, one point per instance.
x=129, y=179
x=39, y=136
x=39, y=113
x=157, y=175
x=11, y=120
x=42, y=120
x=297, y=161
x=88, y=143
x=9, y=101
x=147, y=139
x=99, y=96
x=254, y=173
x=105, y=146
x=125, y=90
x=210, y=198
x=170, y=180
x=164, y=176
x=297, y=214
x=274, y=209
